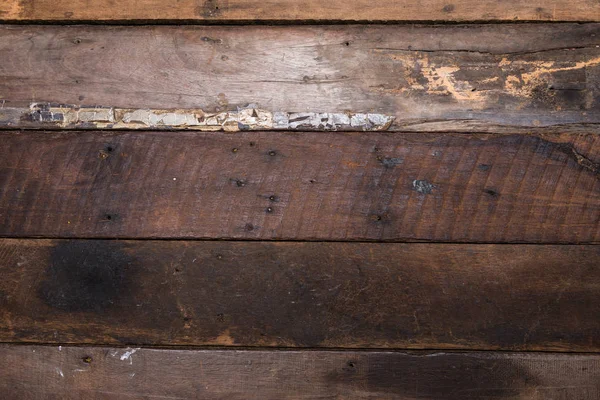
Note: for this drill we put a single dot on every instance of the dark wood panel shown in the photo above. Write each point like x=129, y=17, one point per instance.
x=518, y=297
x=301, y=186
x=37, y=372
x=493, y=77
x=291, y=10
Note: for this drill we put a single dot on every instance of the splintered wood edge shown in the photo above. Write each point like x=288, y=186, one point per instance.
x=246, y=119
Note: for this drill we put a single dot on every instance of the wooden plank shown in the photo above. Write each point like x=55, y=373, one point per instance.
x=36, y=372
x=481, y=78
x=300, y=294
x=301, y=186
x=290, y=10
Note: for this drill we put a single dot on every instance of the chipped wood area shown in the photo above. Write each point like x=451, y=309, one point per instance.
x=249, y=119
x=462, y=78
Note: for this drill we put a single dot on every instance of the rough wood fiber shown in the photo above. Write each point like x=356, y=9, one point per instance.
x=36, y=372
x=517, y=297
x=301, y=186
x=294, y=10
x=430, y=78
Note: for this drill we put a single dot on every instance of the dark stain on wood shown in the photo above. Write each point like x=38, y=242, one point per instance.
x=462, y=378
x=84, y=276
x=301, y=294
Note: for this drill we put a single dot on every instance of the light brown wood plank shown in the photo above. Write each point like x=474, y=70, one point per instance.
x=475, y=78
x=37, y=372
x=290, y=10
x=508, y=297
x=301, y=186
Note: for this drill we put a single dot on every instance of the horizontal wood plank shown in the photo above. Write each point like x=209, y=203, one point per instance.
x=37, y=372
x=301, y=186
x=293, y=10
x=476, y=78
x=298, y=294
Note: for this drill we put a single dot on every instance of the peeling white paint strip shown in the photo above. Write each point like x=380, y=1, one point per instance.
x=252, y=119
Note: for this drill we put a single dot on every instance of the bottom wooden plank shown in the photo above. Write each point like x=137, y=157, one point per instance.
x=43, y=372
x=293, y=294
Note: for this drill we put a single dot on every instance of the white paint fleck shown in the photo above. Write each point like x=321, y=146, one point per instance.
x=59, y=348
x=127, y=355
x=59, y=372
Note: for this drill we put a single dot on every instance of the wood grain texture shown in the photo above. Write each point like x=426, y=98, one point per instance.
x=291, y=10
x=476, y=78
x=301, y=186
x=509, y=297
x=37, y=372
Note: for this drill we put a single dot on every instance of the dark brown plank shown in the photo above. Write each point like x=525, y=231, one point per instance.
x=516, y=297
x=476, y=78
x=37, y=372
x=293, y=10
x=301, y=186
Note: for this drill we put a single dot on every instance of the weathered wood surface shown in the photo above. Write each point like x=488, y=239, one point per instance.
x=44, y=372
x=370, y=295
x=294, y=10
x=498, y=77
x=301, y=186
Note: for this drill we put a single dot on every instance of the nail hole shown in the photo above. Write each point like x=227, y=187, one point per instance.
x=108, y=217
x=109, y=149
x=350, y=364
x=240, y=183
x=347, y=43
x=491, y=192
x=76, y=41
x=252, y=144
x=234, y=150
x=312, y=181
x=87, y=359
x=186, y=319
x=272, y=153
x=272, y=198
x=219, y=257
x=269, y=209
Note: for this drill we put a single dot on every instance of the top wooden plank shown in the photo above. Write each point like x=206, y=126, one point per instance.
x=293, y=10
